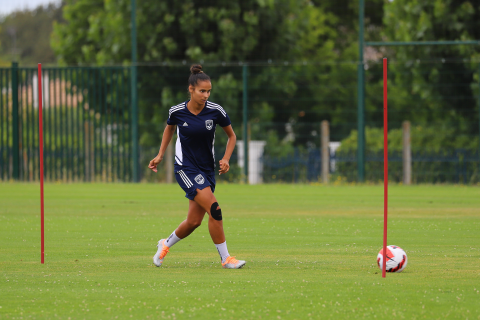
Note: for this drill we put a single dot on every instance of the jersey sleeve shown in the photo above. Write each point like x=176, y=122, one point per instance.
x=223, y=120
x=172, y=119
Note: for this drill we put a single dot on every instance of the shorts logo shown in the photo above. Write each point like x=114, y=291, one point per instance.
x=200, y=179
x=209, y=124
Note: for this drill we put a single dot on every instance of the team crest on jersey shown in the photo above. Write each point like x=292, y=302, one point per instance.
x=209, y=124
x=200, y=179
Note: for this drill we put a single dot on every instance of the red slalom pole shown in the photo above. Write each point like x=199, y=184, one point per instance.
x=40, y=146
x=385, y=166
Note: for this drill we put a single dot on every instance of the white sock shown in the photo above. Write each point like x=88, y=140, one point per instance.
x=172, y=239
x=222, y=251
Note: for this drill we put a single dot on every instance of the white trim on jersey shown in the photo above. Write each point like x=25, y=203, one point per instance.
x=213, y=148
x=176, y=108
x=185, y=179
x=212, y=105
x=178, y=149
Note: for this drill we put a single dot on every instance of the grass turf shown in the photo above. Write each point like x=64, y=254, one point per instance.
x=310, y=251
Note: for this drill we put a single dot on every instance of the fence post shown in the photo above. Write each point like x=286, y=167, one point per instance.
x=325, y=137
x=361, y=95
x=407, y=154
x=15, y=123
x=245, y=122
x=134, y=124
x=134, y=88
x=169, y=163
x=89, y=146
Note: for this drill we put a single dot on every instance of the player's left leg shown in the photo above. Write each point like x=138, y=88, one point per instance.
x=208, y=202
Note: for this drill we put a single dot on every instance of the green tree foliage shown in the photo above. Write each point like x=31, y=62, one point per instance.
x=317, y=38
x=424, y=139
x=98, y=31
x=428, y=143
x=435, y=84
x=25, y=35
x=217, y=31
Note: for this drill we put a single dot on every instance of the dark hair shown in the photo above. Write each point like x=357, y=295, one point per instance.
x=197, y=75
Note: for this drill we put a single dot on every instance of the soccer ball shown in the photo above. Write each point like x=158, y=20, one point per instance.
x=396, y=259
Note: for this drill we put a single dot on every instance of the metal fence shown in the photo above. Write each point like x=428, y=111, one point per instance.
x=89, y=136
x=86, y=124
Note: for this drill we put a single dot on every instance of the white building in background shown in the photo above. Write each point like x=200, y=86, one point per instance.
x=255, y=163
x=45, y=91
x=333, y=146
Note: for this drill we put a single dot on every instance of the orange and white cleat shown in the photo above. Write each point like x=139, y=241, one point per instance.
x=161, y=253
x=232, y=263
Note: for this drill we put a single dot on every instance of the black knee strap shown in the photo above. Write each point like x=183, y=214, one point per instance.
x=216, y=212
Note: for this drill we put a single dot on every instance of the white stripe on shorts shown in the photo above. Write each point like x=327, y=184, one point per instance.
x=185, y=179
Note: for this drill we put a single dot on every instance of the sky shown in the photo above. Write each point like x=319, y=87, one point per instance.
x=8, y=6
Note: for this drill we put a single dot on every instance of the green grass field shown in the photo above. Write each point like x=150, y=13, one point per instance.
x=310, y=251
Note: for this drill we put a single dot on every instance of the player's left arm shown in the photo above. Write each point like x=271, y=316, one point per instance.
x=232, y=140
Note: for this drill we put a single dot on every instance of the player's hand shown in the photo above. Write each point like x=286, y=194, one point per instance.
x=154, y=163
x=224, y=166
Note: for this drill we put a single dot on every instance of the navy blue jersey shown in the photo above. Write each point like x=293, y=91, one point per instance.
x=196, y=135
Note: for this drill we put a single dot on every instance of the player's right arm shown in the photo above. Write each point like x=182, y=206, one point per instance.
x=167, y=137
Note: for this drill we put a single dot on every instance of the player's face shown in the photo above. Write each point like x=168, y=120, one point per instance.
x=201, y=92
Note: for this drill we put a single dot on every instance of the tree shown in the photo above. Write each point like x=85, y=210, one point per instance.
x=98, y=31
x=24, y=35
x=213, y=31
x=437, y=85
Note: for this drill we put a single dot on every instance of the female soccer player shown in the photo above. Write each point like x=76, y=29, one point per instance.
x=196, y=120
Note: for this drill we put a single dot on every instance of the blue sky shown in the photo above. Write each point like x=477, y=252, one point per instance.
x=7, y=6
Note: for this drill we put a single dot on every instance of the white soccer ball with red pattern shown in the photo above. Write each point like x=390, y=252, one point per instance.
x=396, y=259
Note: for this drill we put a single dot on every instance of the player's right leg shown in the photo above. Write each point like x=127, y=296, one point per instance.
x=194, y=219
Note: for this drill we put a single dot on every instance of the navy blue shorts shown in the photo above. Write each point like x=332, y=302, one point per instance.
x=192, y=179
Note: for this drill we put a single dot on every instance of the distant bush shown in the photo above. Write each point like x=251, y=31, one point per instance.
x=439, y=155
